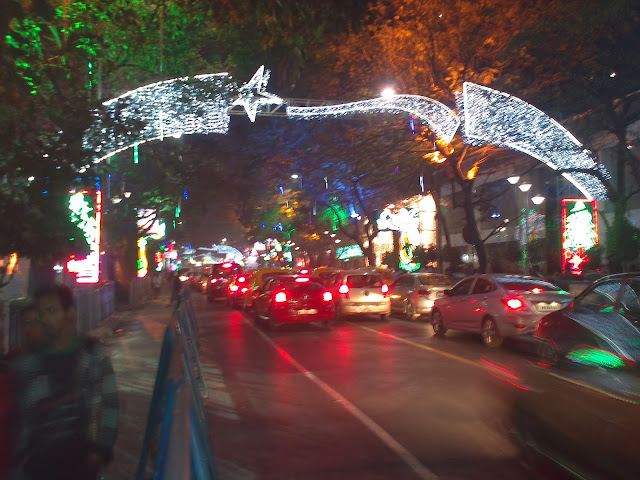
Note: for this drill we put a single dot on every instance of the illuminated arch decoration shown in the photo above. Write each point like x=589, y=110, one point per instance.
x=172, y=108
x=440, y=118
x=201, y=104
x=500, y=119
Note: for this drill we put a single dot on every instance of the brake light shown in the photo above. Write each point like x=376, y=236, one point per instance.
x=343, y=289
x=424, y=293
x=384, y=288
x=227, y=265
x=244, y=289
x=241, y=279
x=302, y=279
x=304, y=271
x=327, y=297
x=233, y=288
x=214, y=280
x=536, y=290
x=514, y=303
x=280, y=297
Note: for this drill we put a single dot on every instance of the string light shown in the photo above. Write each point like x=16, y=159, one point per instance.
x=441, y=119
x=497, y=118
x=171, y=108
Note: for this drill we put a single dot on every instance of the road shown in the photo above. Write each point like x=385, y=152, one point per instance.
x=365, y=400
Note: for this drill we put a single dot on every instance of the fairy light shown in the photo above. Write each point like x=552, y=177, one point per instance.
x=171, y=108
x=441, y=119
x=497, y=118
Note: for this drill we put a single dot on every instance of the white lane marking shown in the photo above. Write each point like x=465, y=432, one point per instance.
x=422, y=471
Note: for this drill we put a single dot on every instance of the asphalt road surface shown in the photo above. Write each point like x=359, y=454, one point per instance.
x=366, y=400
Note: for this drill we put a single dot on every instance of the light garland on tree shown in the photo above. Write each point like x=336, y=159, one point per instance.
x=497, y=118
x=440, y=118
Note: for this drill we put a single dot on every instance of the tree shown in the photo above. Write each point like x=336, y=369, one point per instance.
x=583, y=61
x=430, y=49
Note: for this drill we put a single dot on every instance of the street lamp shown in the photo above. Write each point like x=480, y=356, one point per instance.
x=294, y=176
x=538, y=199
x=525, y=187
x=513, y=180
x=388, y=92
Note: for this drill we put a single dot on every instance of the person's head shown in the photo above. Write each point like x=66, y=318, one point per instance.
x=35, y=335
x=56, y=310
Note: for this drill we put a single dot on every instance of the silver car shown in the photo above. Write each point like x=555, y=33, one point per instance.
x=359, y=292
x=497, y=306
x=414, y=294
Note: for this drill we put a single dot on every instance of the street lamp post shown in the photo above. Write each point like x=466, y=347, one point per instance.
x=525, y=187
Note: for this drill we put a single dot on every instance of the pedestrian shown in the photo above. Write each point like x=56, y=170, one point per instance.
x=66, y=399
x=156, y=284
x=176, y=286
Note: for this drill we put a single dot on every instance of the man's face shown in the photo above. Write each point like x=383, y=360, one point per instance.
x=53, y=316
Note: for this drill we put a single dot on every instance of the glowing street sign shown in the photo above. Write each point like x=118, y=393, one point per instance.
x=87, y=270
x=579, y=232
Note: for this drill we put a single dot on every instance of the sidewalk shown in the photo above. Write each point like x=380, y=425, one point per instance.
x=133, y=341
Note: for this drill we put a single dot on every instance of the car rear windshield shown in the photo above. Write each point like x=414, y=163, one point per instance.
x=524, y=285
x=305, y=287
x=363, y=281
x=269, y=276
x=431, y=280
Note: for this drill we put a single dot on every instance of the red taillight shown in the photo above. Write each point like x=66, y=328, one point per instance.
x=536, y=290
x=233, y=288
x=214, y=280
x=424, y=293
x=304, y=271
x=302, y=279
x=343, y=289
x=241, y=279
x=244, y=289
x=384, y=288
x=227, y=265
x=280, y=297
x=514, y=303
x=327, y=297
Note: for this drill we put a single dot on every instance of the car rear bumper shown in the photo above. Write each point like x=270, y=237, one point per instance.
x=519, y=326
x=377, y=308
x=292, y=316
x=424, y=307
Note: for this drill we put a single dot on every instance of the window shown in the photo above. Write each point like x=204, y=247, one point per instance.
x=483, y=285
x=431, y=280
x=523, y=285
x=629, y=303
x=602, y=297
x=462, y=288
x=364, y=281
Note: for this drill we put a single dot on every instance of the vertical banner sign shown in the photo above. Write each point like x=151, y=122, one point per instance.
x=579, y=232
x=86, y=212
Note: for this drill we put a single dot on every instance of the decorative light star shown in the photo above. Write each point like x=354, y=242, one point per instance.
x=253, y=101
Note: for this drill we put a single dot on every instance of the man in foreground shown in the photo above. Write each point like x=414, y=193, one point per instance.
x=66, y=399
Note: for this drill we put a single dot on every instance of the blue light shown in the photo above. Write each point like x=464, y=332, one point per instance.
x=412, y=125
x=186, y=194
x=281, y=190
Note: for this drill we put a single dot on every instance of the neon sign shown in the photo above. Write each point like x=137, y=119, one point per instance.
x=87, y=269
x=579, y=232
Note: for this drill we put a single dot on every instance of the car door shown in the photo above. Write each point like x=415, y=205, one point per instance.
x=474, y=308
x=452, y=308
x=260, y=303
x=398, y=292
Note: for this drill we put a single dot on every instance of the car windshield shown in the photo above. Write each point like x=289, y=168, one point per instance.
x=304, y=287
x=430, y=280
x=270, y=275
x=524, y=285
x=363, y=281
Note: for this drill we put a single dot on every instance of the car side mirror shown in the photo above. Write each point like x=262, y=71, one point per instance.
x=447, y=292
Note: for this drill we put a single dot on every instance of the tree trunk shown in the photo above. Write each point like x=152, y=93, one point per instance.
x=471, y=233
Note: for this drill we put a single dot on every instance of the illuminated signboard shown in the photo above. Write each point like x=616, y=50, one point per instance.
x=86, y=213
x=579, y=232
x=350, y=251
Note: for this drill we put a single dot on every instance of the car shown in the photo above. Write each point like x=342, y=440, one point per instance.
x=238, y=286
x=360, y=292
x=221, y=275
x=578, y=405
x=258, y=279
x=293, y=299
x=497, y=306
x=414, y=294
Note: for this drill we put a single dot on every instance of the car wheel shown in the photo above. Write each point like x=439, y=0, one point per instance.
x=409, y=311
x=384, y=317
x=438, y=324
x=490, y=335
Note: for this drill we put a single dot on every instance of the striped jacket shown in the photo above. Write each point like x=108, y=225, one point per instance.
x=96, y=386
